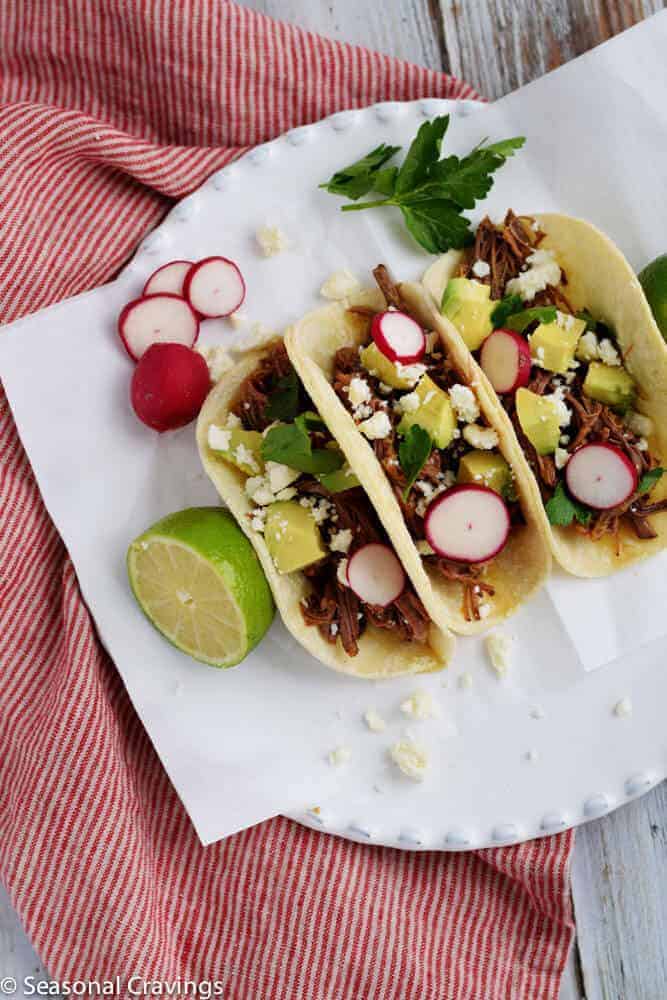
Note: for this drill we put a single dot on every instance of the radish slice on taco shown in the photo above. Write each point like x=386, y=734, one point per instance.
x=572, y=359
x=446, y=478
x=335, y=577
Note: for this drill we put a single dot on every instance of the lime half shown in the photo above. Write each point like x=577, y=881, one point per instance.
x=654, y=282
x=197, y=578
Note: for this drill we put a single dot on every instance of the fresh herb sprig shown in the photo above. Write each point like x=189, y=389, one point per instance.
x=413, y=451
x=290, y=444
x=431, y=192
x=649, y=479
x=283, y=403
x=509, y=314
x=562, y=510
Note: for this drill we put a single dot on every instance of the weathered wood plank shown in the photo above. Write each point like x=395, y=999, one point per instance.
x=499, y=45
x=618, y=885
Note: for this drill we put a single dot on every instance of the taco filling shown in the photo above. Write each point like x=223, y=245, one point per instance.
x=561, y=377
x=315, y=517
x=454, y=487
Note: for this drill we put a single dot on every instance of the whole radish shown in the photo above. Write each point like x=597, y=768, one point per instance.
x=169, y=386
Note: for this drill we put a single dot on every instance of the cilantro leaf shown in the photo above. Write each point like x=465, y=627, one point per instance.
x=360, y=177
x=437, y=225
x=311, y=421
x=422, y=154
x=284, y=400
x=562, y=509
x=508, y=306
x=413, y=451
x=290, y=445
x=649, y=479
x=519, y=321
x=506, y=147
x=385, y=180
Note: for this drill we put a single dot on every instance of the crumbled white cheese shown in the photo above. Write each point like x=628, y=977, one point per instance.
x=358, y=391
x=219, y=439
x=259, y=336
x=238, y=320
x=623, y=708
x=639, y=424
x=232, y=421
x=340, y=541
x=565, y=320
x=608, y=353
x=409, y=403
x=465, y=680
x=588, y=347
x=243, y=456
x=498, y=646
x=287, y=494
x=259, y=491
x=384, y=389
x=561, y=456
x=564, y=439
x=271, y=240
x=481, y=269
x=374, y=721
x=484, y=438
x=217, y=360
x=410, y=758
x=339, y=285
x=280, y=476
x=420, y=705
x=531, y=756
x=563, y=411
x=425, y=488
x=536, y=712
x=341, y=573
x=642, y=444
x=423, y=548
x=464, y=403
x=484, y=610
x=258, y=519
x=339, y=756
x=542, y=270
x=410, y=373
x=376, y=427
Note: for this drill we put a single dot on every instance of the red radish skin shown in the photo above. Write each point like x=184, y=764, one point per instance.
x=214, y=287
x=168, y=278
x=468, y=523
x=505, y=360
x=169, y=386
x=600, y=476
x=398, y=336
x=375, y=574
x=157, y=319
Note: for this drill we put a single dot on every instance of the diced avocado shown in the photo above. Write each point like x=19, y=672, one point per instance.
x=552, y=345
x=292, y=537
x=375, y=361
x=339, y=480
x=434, y=413
x=488, y=468
x=612, y=386
x=239, y=447
x=539, y=421
x=467, y=304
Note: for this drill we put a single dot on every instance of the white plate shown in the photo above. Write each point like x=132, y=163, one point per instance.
x=244, y=744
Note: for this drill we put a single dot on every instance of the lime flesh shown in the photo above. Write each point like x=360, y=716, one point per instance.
x=654, y=282
x=198, y=580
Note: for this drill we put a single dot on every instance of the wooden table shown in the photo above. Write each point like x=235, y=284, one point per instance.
x=619, y=878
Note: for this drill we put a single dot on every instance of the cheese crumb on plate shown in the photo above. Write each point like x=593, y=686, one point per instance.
x=410, y=758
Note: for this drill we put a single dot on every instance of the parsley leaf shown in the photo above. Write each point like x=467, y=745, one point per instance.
x=360, y=177
x=562, y=510
x=290, y=445
x=508, y=306
x=413, y=451
x=431, y=192
x=284, y=400
x=649, y=479
x=519, y=321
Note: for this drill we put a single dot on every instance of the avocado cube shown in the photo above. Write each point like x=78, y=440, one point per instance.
x=612, y=386
x=375, y=361
x=468, y=305
x=539, y=421
x=339, y=480
x=434, y=413
x=552, y=345
x=238, y=447
x=486, y=468
x=292, y=537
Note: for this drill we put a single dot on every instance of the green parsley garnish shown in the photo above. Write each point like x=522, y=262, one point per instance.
x=413, y=451
x=562, y=509
x=284, y=400
x=519, y=321
x=649, y=479
x=508, y=306
x=430, y=192
x=290, y=445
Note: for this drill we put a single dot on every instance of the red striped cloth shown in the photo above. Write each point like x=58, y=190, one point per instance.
x=108, y=112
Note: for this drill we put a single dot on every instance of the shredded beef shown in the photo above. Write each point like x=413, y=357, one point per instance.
x=471, y=579
x=255, y=390
x=388, y=287
x=504, y=248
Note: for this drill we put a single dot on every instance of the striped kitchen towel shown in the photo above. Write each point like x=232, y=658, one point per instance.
x=109, y=111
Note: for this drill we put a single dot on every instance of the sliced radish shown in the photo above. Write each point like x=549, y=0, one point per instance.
x=398, y=336
x=214, y=287
x=157, y=319
x=168, y=278
x=600, y=476
x=469, y=524
x=506, y=361
x=169, y=386
x=375, y=574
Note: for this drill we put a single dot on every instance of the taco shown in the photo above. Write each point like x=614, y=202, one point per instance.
x=573, y=360
x=336, y=580
x=445, y=476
